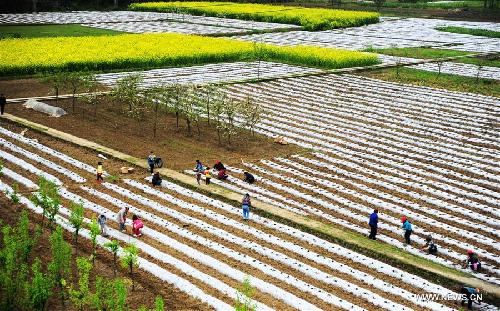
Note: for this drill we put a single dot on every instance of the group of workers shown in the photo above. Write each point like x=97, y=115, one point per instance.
x=121, y=218
x=468, y=294
x=220, y=170
x=430, y=247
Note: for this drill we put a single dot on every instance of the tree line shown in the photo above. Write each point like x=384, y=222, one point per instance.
x=189, y=103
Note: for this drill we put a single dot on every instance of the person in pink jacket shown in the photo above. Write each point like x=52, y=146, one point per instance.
x=137, y=226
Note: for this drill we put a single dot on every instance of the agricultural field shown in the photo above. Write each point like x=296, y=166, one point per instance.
x=202, y=245
x=214, y=73
x=390, y=33
x=156, y=50
x=335, y=114
x=309, y=19
x=361, y=163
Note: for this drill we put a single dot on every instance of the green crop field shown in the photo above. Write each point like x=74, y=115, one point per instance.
x=41, y=31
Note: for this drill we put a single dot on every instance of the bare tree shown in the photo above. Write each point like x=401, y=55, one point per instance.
x=155, y=98
x=209, y=94
x=176, y=96
x=251, y=113
x=440, y=66
x=191, y=107
x=56, y=81
x=217, y=107
x=230, y=112
x=78, y=81
x=127, y=90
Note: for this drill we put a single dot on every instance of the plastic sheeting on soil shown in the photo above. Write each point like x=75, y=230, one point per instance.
x=44, y=108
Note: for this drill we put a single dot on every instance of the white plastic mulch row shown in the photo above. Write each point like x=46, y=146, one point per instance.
x=25, y=153
x=359, y=207
x=354, y=179
x=398, y=209
x=211, y=73
x=388, y=34
x=443, y=194
x=467, y=70
x=351, y=226
x=356, y=216
x=95, y=17
x=166, y=26
x=395, y=226
x=277, y=131
x=381, y=146
x=375, y=105
x=184, y=267
x=334, y=249
x=30, y=168
x=353, y=148
x=144, y=264
x=401, y=101
x=79, y=17
x=250, y=244
x=443, y=151
x=477, y=192
x=330, y=118
x=61, y=156
x=296, y=111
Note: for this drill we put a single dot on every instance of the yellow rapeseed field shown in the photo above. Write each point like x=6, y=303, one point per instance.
x=308, y=18
x=29, y=56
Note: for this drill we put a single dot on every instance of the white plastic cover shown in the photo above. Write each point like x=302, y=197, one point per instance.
x=44, y=108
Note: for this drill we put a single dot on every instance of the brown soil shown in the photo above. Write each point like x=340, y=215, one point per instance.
x=178, y=150
x=147, y=286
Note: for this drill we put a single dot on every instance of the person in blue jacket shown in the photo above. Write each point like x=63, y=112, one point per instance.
x=151, y=162
x=199, y=169
x=470, y=294
x=407, y=228
x=373, y=225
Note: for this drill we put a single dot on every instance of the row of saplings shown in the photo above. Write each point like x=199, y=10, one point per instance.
x=25, y=284
x=28, y=282
x=194, y=104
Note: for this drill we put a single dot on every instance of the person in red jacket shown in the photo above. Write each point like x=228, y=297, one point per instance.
x=137, y=226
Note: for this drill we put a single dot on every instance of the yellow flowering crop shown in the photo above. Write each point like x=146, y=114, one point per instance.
x=28, y=56
x=308, y=18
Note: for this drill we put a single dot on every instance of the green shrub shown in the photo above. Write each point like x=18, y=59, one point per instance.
x=81, y=297
x=60, y=266
x=40, y=288
x=130, y=260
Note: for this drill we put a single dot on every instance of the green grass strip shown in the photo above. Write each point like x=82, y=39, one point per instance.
x=31, y=56
x=308, y=18
x=442, y=81
x=430, y=53
x=41, y=31
x=424, y=53
x=471, y=31
x=488, y=61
